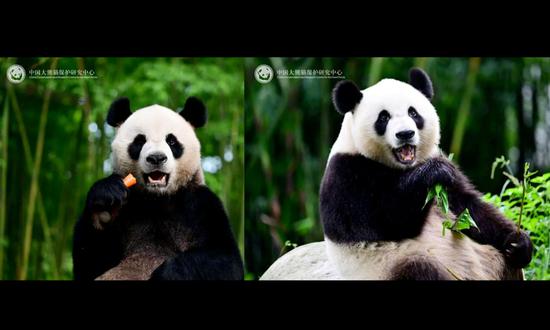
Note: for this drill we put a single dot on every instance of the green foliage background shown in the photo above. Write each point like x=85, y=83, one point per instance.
x=488, y=107
x=527, y=201
x=76, y=145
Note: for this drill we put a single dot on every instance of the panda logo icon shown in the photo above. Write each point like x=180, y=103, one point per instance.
x=263, y=74
x=16, y=74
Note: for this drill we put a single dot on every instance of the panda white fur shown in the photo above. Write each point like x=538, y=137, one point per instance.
x=167, y=226
x=379, y=171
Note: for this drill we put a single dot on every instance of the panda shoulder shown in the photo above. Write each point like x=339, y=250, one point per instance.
x=205, y=194
x=201, y=197
x=346, y=165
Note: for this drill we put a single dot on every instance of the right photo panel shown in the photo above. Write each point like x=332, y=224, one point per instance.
x=397, y=168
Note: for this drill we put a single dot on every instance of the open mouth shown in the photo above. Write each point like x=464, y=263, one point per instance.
x=406, y=154
x=156, y=178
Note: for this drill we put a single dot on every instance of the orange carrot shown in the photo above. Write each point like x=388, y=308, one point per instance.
x=129, y=180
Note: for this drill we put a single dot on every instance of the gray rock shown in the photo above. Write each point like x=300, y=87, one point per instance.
x=306, y=262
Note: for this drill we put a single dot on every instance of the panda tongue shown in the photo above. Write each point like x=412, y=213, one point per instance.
x=407, y=153
x=157, y=177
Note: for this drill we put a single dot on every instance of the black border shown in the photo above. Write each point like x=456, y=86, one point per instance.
x=483, y=44
x=315, y=32
x=371, y=33
x=248, y=295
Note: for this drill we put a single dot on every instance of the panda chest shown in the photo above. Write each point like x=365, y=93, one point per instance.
x=156, y=233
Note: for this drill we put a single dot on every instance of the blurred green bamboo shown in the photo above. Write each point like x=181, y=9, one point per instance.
x=3, y=181
x=465, y=106
x=33, y=191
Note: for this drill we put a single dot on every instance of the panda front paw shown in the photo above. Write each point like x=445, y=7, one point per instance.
x=105, y=199
x=518, y=249
x=440, y=170
x=431, y=172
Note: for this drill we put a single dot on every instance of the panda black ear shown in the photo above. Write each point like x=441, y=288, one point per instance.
x=194, y=111
x=421, y=81
x=119, y=111
x=345, y=96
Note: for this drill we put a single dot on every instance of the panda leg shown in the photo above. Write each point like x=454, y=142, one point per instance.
x=201, y=264
x=420, y=269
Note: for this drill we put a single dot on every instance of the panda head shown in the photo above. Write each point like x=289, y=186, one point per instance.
x=157, y=145
x=391, y=122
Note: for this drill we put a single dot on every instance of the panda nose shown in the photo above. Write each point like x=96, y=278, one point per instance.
x=156, y=159
x=404, y=135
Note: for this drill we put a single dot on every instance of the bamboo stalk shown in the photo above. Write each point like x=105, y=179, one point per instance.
x=465, y=105
x=238, y=168
x=61, y=211
x=27, y=236
x=29, y=164
x=24, y=141
x=46, y=232
x=3, y=181
x=69, y=212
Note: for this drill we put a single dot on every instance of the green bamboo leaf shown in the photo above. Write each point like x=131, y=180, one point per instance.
x=461, y=225
x=444, y=201
x=431, y=195
x=462, y=222
x=446, y=225
x=465, y=220
x=438, y=188
x=471, y=220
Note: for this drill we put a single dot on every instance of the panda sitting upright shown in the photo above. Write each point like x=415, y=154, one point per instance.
x=169, y=225
x=372, y=197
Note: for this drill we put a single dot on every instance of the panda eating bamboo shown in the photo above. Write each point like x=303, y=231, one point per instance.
x=379, y=171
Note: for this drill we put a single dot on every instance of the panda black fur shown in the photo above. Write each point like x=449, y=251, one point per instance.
x=372, y=194
x=169, y=225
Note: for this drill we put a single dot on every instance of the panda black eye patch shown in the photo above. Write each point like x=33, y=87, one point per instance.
x=418, y=120
x=382, y=122
x=134, y=149
x=175, y=145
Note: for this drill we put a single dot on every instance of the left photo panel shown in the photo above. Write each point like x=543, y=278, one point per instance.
x=121, y=169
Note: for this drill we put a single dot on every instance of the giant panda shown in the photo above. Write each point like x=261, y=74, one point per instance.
x=372, y=197
x=170, y=225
